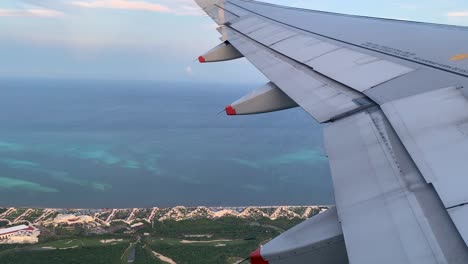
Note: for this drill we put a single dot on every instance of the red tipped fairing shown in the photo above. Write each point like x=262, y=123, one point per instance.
x=267, y=98
x=223, y=52
x=256, y=257
x=230, y=110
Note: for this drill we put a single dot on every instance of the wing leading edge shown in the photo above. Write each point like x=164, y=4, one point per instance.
x=395, y=120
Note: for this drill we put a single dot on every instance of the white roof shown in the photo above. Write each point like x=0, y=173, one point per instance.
x=13, y=229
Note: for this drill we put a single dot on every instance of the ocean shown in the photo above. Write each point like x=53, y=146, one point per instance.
x=124, y=144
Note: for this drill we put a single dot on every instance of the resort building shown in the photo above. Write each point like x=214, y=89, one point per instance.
x=21, y=231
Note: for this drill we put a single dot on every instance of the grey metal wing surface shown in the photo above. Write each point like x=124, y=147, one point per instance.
x=392, y=98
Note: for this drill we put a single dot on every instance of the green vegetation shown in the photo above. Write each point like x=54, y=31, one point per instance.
x=122, y=214
x=237, y=238
x=95, y=255
x=229, y=227
x=78, y=250
x=143, y=213
x=103, y=216
x=4, y=248
x=282, y=224
x=298, y=210
x=84, y=242
x=144, y=256
x=206, y=241
x=15, y=214
x=125, y=256
x=204, y=253
x=34, y=215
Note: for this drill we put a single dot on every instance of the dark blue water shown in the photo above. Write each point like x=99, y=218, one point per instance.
x=144, y=144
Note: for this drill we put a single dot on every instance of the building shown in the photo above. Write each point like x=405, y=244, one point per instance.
x=137, y=225
x=21, y=230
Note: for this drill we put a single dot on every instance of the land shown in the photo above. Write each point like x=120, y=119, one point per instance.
x=155, y=235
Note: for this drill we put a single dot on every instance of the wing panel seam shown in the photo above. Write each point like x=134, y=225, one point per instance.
x=276, y=53
x=351, y=44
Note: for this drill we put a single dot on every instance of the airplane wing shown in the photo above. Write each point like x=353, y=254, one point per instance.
x=392, y=98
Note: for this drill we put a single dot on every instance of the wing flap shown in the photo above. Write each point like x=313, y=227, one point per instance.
x=434, y=128
x=384, y=204
x=459, y=216
x=439, y=146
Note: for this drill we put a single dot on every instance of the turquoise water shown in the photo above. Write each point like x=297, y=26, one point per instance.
x=143, y=144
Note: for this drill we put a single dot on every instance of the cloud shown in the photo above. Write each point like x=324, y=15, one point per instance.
x=123, y=4
x=189, y=71
x=177, y=7
x=458, y=14
x=184, y=7
x=33, y=12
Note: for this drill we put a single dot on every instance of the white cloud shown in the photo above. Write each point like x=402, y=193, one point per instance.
x=123, y=4
x=458, y=14
x=178, y=7
x=189, y=71
x=32, y=12
x=184, y=7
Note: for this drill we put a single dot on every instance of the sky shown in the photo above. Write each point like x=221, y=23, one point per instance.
x=153, y=39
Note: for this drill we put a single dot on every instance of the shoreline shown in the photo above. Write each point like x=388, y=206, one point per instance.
x=163, y=207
